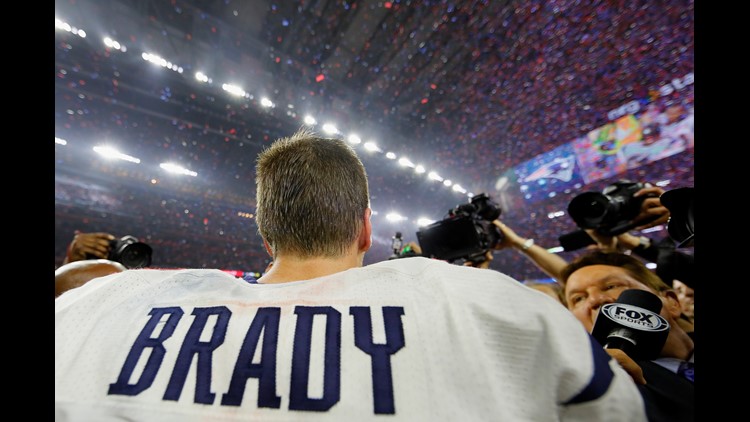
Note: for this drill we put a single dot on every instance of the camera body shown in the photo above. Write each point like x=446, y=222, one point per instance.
x=129, y=251
x=467, y=233
x=610, y=212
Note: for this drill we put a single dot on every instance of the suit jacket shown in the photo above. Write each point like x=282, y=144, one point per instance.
x=669, y=397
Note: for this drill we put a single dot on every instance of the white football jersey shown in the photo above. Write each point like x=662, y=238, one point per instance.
x=415, y=339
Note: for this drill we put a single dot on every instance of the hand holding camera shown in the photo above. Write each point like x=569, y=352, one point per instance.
x=94, y=245
x=127, y=250
x=653, y=212
x=619, y=208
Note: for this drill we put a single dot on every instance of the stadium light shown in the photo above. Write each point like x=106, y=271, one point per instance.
x=177, y=169
x=111, y=153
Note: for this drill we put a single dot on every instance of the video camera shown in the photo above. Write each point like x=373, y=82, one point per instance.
x=466, y=233
x=129, y=252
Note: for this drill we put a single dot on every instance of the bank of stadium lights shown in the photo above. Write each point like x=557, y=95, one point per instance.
x=354, y=139
x=112, y=154
x=238, y=91
x=202, y=77
x=177, y=169
x=109, y=42
x=424, y=221
x=158, y=60
x=555, y=214
x=59, y=24
x=60, y=141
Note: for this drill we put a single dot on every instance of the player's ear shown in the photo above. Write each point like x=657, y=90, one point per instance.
x=268, y=248
x=365, y=235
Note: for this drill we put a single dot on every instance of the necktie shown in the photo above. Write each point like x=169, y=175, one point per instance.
x=686, y=370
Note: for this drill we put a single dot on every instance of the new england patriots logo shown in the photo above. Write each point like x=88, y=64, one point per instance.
x=560, y=168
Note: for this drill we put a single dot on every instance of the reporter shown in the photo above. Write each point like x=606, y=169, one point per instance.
x=597, y=278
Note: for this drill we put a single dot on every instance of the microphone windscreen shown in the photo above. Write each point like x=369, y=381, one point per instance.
x=632, y=323
x=641, y=298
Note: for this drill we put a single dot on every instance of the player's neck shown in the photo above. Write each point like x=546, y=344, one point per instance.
x=292, y=268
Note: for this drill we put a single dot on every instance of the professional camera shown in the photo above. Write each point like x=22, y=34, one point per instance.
x=610, y=212
x=466, y=233
x=129, y=252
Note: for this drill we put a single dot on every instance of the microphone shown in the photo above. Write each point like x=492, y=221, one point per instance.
x=633, y=325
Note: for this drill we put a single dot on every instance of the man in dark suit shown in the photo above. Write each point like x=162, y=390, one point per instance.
x=597, y=278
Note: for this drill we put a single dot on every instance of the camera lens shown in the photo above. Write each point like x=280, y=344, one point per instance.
x=589, y=209
x=135, y=255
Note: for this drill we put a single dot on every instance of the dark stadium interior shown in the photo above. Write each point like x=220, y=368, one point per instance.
x=469, y=89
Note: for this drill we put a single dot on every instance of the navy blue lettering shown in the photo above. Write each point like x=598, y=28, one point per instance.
x=142, y=342
x=382, y=377
x=298, y=398
x=266, y=321
x=204, y=350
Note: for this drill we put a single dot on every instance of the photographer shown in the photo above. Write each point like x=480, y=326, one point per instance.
x=671, y=264
x=128, y=250
x=606, y=220
x=652, y=213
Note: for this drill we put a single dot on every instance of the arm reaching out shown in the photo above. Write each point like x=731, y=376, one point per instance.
x=548, y=262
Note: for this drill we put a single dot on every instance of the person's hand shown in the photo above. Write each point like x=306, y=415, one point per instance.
x=84, y=244
x=412, y=246
x=510, y=238
x=652, y=213
x=628, y=364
